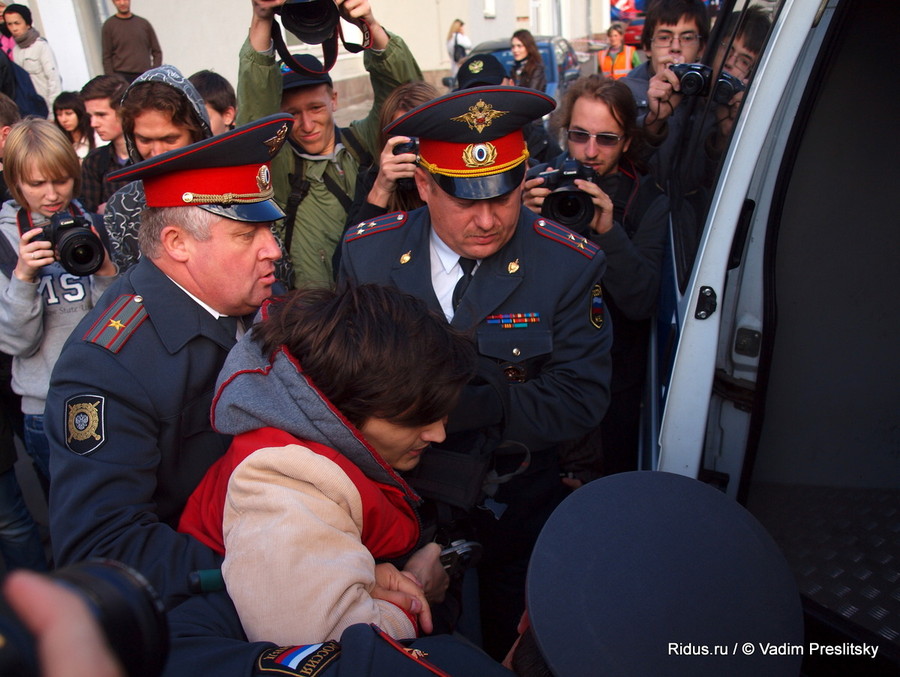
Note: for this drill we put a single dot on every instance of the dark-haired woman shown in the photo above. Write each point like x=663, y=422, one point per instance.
x=325, y=414
x=528, y=70
x=71, y=117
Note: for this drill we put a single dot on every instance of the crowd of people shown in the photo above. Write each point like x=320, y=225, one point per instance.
x=315, y=356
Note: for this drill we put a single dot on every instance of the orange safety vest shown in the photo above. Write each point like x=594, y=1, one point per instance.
x=618, y=69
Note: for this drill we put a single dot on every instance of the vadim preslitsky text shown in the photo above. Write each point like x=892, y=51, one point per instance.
x=767, y=649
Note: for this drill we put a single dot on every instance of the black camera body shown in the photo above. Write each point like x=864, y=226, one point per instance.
x=79, y=249
x=312, y=21
x=126, y=607
x=411, y=146
x=568, y=205
x=727, y=86
x=696, y=80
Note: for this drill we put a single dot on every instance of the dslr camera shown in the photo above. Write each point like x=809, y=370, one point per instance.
x=696, y=80
x=78, y=247
x=127, y=609
x=411, y=146
x=568, y=205
x=312, y=21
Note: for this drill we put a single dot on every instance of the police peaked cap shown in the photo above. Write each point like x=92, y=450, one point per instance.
x=471, y=140
x=480, y=70
x=228, y=174
x=637, y=573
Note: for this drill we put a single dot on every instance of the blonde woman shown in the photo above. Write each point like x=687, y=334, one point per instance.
x=458, y=45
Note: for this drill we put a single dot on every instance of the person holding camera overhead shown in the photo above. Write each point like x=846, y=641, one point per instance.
x=315, y=174
x=623, y=212
x=61, y=271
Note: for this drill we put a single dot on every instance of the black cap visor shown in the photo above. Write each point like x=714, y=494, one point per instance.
x=254, y=212
x=481, y=187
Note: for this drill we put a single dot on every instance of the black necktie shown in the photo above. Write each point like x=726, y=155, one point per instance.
x=468, y=266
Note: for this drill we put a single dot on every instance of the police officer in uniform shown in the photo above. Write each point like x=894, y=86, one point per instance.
x=528, y=291
x=128, y=409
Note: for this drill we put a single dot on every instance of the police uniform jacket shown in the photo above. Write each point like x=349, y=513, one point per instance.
x=534, y=309
x=130, y=436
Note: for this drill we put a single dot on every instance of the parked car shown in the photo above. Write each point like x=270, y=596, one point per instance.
x=776, y=371
x=633, y=31
x=562, y=63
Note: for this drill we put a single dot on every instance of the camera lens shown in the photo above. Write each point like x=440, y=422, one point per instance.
x=313, y=21
x=692, y=84
x=80, y=251
x=125, y=606
x=569, y=207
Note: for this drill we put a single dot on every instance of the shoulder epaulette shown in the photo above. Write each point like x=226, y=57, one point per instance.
x=557, y=233
x=381, y=224
x=113, y=329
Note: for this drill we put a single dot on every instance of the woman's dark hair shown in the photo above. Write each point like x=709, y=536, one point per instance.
x=616, y=96
x=533, y=60
x=158, y=96
x=72, y=101
x=373, y=351
x=402, y=100
x=21, y=10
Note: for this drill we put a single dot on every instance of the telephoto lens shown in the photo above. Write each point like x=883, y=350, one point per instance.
x=127, y=609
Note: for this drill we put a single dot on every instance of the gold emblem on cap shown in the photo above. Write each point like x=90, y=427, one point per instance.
x=513, y=267
x=274, y=144
x=480, y=116
x=263, y=178
x=406, y=257
x=476, y=66
x=479, y=154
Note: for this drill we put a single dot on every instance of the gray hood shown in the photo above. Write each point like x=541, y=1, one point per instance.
x=172, y=77
x=253, y=392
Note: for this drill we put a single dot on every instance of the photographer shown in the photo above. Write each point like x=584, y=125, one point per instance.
x=315, y=177
x=628, y=222
x=44, y=297
x=675, y=32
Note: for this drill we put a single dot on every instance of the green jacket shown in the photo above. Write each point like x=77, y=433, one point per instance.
x=320, y=218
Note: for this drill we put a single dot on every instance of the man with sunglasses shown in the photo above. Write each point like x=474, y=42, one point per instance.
x=675, y=31
x=598, y=117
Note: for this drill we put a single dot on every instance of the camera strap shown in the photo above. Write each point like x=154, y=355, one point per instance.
x=329, y=47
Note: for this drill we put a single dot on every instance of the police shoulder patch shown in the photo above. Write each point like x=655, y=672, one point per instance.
x=375, y=226
x=306, y=660
x=85, y=423
x=121, y=319
x=553, y=231
x=597, y=313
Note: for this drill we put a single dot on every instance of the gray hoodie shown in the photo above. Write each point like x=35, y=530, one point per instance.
x=123, y=209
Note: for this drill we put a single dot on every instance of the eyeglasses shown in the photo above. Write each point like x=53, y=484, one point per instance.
x=743, y=61
x=665, y=39
x=602, y=139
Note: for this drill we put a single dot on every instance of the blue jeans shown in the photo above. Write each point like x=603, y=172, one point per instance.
x=37, y=445
x=20, y=544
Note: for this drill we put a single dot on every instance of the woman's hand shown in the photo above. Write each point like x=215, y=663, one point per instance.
x=425, y=565
x=391, y=168
x=401, y=589
x=34, y=254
